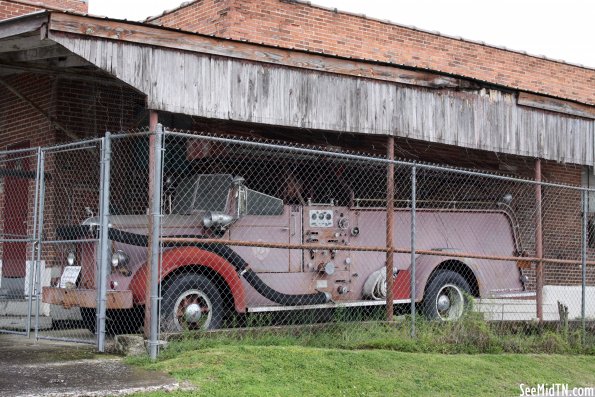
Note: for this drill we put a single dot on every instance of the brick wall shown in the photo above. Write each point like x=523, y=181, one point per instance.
x=87, y=109
x=302, y=26
x=15, y=8
x=19, y=125
x=204, y=16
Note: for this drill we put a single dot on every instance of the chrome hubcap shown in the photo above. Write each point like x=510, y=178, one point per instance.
x=192, y=313
x=450, y=302
x=443, y=303
x=193, y=310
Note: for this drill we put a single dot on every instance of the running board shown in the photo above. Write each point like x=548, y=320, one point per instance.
x=331, y=305
x=524, y=294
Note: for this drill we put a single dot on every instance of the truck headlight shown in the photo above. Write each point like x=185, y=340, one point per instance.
x=120, y=259
x=71, y=258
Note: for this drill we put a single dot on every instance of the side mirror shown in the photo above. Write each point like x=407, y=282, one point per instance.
x=240, y=193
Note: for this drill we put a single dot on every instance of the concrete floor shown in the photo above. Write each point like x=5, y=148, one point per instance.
x=48, y=368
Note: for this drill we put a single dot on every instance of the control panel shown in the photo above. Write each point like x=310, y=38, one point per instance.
x=327, y=227
x=321, y=218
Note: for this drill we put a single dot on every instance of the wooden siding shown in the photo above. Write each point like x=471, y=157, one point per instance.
x=227, y=88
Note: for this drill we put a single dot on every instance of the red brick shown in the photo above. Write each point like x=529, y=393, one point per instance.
x=309, y=27
x=14, y=8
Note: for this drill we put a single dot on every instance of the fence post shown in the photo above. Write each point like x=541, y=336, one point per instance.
x=413, y=220
x=155, y=243
x=538, y=242
x=584, y=261
x=390, y=214
x=153, y=121
x=106, y=150
x=42, y=182
x=34, y=264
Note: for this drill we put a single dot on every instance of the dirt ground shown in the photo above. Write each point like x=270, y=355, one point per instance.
x=48, y=368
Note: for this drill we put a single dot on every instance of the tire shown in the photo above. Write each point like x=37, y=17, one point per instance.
x=117, y=321
x=446, y=297
x=190, y=302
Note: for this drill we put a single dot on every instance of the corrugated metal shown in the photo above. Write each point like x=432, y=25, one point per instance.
x=202, y=85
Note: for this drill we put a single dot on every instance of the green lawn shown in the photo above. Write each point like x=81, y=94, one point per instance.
x=465, y=358
x=252, y=370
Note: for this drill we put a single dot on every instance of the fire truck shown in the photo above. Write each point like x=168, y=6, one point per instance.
x=228, y=249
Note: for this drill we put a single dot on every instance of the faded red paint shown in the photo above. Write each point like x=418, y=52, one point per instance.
x=192, y=256
x=402, y=285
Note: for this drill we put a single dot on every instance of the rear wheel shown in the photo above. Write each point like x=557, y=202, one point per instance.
x=446, y=296
x=191, y=302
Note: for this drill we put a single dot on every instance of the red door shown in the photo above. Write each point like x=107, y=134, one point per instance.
x=16, y=195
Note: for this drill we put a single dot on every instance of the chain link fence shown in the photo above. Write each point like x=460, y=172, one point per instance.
x=19, y=192
x=175, y=231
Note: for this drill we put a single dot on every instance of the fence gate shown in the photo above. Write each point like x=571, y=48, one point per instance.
x=68, y=234
x=49, y=197
x=19, y=193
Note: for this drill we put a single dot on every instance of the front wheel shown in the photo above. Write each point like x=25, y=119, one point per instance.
x=446, y=296
x=190, y=302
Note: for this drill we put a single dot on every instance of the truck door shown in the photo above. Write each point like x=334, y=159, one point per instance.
x=274, y=229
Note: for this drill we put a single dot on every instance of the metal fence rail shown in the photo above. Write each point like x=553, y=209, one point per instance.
x=170, y=231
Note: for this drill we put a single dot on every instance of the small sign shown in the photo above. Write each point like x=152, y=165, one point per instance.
x=69, y=276
x=320, y=284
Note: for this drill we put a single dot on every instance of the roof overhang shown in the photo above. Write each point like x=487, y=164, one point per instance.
x=26, y=47
x=32, y=39
x=189, y=73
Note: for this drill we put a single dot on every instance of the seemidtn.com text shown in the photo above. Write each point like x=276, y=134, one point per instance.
x=556, y=389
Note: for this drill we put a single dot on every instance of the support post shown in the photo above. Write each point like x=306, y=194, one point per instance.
x=153, y=121
x=106, y=150
x=156, y=243
x=34, y=244
x=584, y=261
x=538, y=241
x=413, y=224
x=390, y=213
x=42, y=182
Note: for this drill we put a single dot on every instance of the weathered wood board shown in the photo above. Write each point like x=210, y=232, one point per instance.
x=229, y=88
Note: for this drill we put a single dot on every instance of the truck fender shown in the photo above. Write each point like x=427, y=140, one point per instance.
x=426, y=264
x=182, y=257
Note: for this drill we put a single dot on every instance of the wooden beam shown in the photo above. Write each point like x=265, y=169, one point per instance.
x=77, y=75
x=153, y=35
x=539, y=278
x=556, y=105
x=48, y=116
x=24, y=43
x=52, y=51
x=72, y=61
x=25, y=24
x=390, y=219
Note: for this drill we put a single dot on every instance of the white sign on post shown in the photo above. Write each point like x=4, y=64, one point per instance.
x=69, y=276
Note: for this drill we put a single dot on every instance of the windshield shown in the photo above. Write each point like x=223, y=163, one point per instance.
x=201, y=193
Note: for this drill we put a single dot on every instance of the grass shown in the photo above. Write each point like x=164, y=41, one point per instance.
x=469, y=357
x=304, y=371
